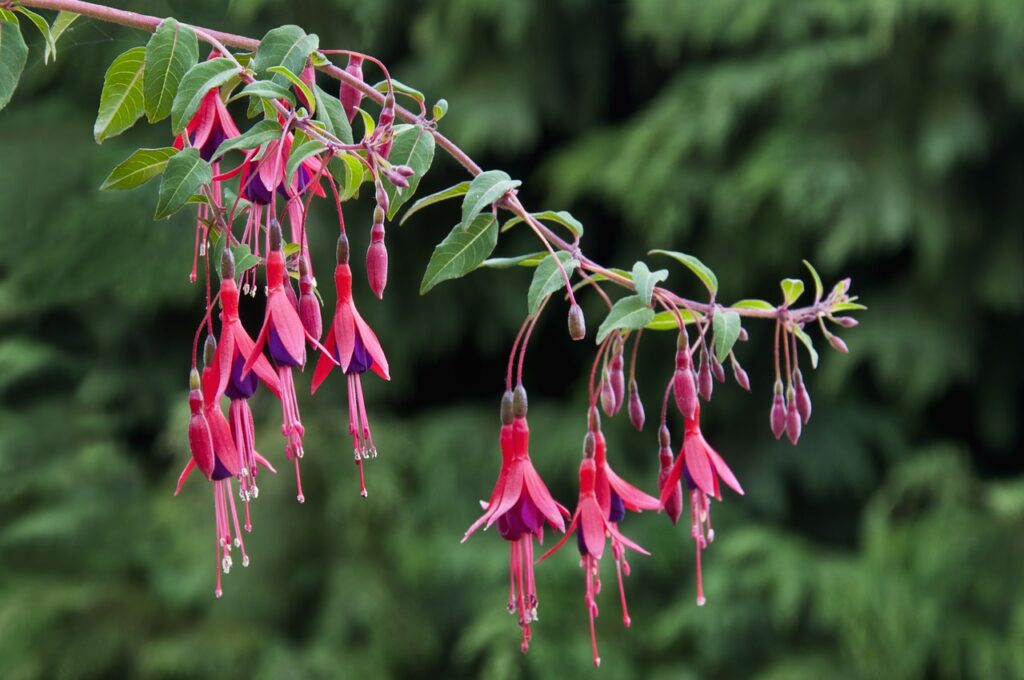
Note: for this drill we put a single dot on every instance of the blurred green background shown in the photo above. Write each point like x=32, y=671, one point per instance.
x=880, y=139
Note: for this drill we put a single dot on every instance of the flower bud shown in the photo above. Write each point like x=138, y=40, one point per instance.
x=674, y=501
x=743, y=337
x=351, y=97
x=227, y=264
x=792, y=419
x=617, y=379
x=342, y=249
x=377, y=261
x=665, y=438
x=685, y=392
x=275, y=234
x=607, y=397
x=194, y=383
x=803, y=398
x=589, y=445
x=387, y=112
x=381, y=197
x=519, y=403
x=636, y=407
x=717, y=370
x=705, y=384
x=740, y=376
x=778, y=417
x=404, y=170
x=209, y=351
x=506, y=408
x=846, y=321
x=397, y=179
x=838, y=343
x=577, y=324
x=593, y=420
x=309, y=307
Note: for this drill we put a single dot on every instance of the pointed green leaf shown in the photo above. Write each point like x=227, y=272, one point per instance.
x=260, y=133
x=702, y=271
x=122, y=101
x=754, y=304
x=440, y=109
x=412, y=146
x=528, y=260
x=644, y=280
x=400, y=88
x=809, y=344
x=44, y=30
x=629, y=313
x=818, y=290
x=486, y=188
x=170, y=53
x=288, y=46
x=13, y=53
x=726, y=325
x=137, y=169
x=459, y=189
x=199, y=80
x=548, y=278
x=350, y=173
x=297, y=82
x=666, y=321
x=369, y=124
x=186, y=172
x=299, y=154
x=792, y=289
x=462, y=251
x=266, y=89
x=330, y=112
x=60, y=24
x=560, y=217
x=848, y=307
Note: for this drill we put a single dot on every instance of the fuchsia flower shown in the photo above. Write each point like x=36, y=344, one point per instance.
x=704, y=468
x=284, y=335
x=352, y=345
x=520, y=504
x=209, y=127
x=592, y=523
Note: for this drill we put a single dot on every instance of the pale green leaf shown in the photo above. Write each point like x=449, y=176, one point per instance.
x=548, y=278
x=121, y=101
x=809, y=344
x=560, y=217
x=60, y=24
x=267, y=89
x=818, y=290
x=726, y=325
x=43, y=28
x=644, y=280
x=702, y=271
x=459, y=189
x=142, y=166
x=307, y=94
x=629, y=313
x=527, y=260
x=667, y=321
x=754, y=304
x=400, y=88
x=486, y=188
x=462, y=251
x=792, y=289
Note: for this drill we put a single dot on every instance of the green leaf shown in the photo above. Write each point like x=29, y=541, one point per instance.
x=137, y=169
x=170, y=53
x=486, y=188
x=185, y=173
x=847, y=307
x=628, y=313
x=808, y=343
x=706, y=276
x=561, y=217
x=528, y=260
x=726, y=325
x=645, y=280
x=548, y=278
x=412, y=146
x=13, y=53
x=459, y=189
x=666, y=321
x=462, y=251
x=754, y=304
x=330, y=112
x=43, y=27
x=297, y=82
x=267, y=89
x=351, y=176
x=244, y=260
x=400, y=88
x=792, y=289
x=260, y=133
x=817, y=282
x=299, y=154
x=369, y=125
x=121, y=102
x=60, y=24
x=288, y=46
x=199, y=80
x=440, y=109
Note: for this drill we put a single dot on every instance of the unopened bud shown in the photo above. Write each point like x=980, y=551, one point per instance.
x=740, y=376
x=381, y=197
x=209, y=350
x=803, y=398
x=404, y=170
x=837, y=342
x=717, y=370
x=397, y=179
x=846, y=321
x=607, y=397
x=227, y=264
x=351, y=97
x=673, y=502
x=664, y=438
x=506, y=408
x=309, y=307
x=743, y=337
x=577, y=324
x=275, y=234
x=342, y=249
x=194, y=383
x=377, y=261
x=387, y=111
x=593, y=420
x=636, y=407
x=617, y=380
x=589, y=445
x=778, y=415
x=705, y=384
x=685, y=392
x=793, y=421
x=519, y=403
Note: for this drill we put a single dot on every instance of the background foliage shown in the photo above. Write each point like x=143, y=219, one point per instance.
x=878, y=138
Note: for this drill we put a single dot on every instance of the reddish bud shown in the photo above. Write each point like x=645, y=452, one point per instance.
x=589, y=445
x=674, y=502
x=717, y=370
x=396, y=179
x=705, y=384
x=846, y=321
x=685, y=391
x=838, y=343
x=404, y=170
x=351, y=97
x=519, y=402
x=743, y=337
x=227, y=264
x=803, y=398
x=387, y=111
x=636, y=407
x=377, y=261
x=381, y=197
x=792, y=419
x=275, y=234
x=607, y=397
x=778, y=416
x=617, y=379
x=577, y=324
x=309, y=307
x=741, y=376
x=506, y=408
x=209, y=350
x=342, y=251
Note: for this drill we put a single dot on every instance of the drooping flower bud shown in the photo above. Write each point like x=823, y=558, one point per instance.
x=716, y=369
x=577, y=324
x=227, y=264
x=705, y=384
x=351, y=97
x=617, y=380
x=387, y=111
x=405, y=170
x=506, y=408
x=380, y=196
x=377, y=261
x=275, y=234
x=589, y=445
x=743, y=337
x=309, y=307
x=778, y=416
x=685, y=391
x=200, y=441
x=674, y=502
x=519, y=402
x=792, y=418
x=803, y=398
x=838, y=343
x=607, y=397
x=846, y=321
x=397, y=179
x=740, y=376
x=636, y=407
x=593, y=420
x=342, y=250
x=209, y=350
